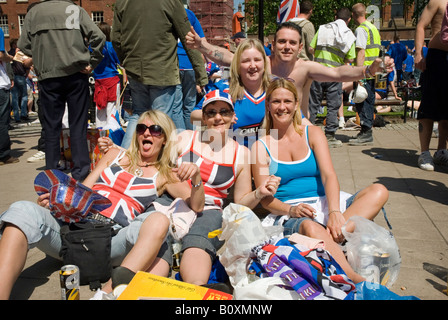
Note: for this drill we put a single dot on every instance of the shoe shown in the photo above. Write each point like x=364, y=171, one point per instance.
x=9, y=160
x=441, y=157
x=425, y=161
x=32, y=113
x=332, y=141
x=102, y=295
x=121, y=275
x=40, y=155
x=341, y=123
x=364, y=138
x=220, y=286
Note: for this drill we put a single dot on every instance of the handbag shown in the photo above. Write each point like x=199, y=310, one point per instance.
x=180, y=215
x=87, y=244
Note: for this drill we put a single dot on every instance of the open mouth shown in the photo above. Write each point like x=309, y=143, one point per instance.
x=147, y=144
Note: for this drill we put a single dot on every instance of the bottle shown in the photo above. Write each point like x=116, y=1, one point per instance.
x=366, y=264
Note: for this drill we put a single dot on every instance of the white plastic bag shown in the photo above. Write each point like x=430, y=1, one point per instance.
x=271, y=288
x=241, y=231
x=372, y=251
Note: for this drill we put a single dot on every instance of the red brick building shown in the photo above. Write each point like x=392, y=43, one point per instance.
x=14, y=12
x=215, y=18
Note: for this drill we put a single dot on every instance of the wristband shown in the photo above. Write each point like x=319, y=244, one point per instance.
x=333, y=211
x=196, y=185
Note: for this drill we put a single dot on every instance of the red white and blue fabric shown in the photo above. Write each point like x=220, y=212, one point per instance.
x=216, y=177
x=217, y=95
x=130, y=194
x=70, y=201
x=313, y=274
x=288, y=9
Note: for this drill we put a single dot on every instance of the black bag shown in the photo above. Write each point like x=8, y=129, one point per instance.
x=88, y=246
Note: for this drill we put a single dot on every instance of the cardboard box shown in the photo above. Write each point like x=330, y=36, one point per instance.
x=146, y=286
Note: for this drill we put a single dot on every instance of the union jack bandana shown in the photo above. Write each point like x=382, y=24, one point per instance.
x=70, y=201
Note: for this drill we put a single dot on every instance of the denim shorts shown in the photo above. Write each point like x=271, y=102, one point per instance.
x=292, y=225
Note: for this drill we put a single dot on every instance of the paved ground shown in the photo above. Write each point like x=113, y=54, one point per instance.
x=417, y=207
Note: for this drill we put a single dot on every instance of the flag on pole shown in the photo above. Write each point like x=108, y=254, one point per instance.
x=288, y=9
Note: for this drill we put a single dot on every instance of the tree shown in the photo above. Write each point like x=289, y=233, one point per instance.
x=323, y=12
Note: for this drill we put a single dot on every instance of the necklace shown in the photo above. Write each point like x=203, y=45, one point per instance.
x=139, y=171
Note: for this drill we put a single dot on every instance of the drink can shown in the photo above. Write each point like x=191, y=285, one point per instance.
x=384, y=266
x=69, y=278
x=380, y=81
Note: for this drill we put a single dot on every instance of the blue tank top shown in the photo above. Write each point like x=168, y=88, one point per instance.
x=299, y=179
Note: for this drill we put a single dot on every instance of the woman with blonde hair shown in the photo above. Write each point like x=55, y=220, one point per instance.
x=308, y=199
x=249, y=79
x=131, y=180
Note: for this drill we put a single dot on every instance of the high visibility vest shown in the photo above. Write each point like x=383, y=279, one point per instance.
x=373, y=42
x=329, y=56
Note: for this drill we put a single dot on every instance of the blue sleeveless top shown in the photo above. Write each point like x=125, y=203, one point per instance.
x=300, y=179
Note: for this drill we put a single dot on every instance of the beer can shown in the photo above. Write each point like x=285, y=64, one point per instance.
x=69, y=279
x=380, y=81
x=382, y=260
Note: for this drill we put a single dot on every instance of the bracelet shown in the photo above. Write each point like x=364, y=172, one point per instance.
x=367, y=73
x=333, y=211
x=196, y=185
x=290, y=209
x=257, y=193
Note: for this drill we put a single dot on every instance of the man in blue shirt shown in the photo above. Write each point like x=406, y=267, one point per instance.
x=399, y=53
x=185, y=95
x=408, y=66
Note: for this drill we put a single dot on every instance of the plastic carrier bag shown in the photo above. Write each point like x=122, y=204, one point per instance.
x=372, y=251
x=241, y=231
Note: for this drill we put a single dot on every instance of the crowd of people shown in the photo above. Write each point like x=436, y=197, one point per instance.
x=225, y=146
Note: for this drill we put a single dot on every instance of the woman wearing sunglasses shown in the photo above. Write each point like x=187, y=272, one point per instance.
x=132, y=180
x=223, y=164
x=308, y=199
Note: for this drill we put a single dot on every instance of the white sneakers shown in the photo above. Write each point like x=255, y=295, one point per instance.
x=426, y=162
x=40, y=155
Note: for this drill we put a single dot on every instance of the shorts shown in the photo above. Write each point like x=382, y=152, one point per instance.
x=206, y=222
x=292, y=225
x=433, y=80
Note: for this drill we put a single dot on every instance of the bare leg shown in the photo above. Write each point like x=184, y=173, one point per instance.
x=443, y=134
x=143, y=255
x=367, y=203
x=195, y=266
x=314, y=230
x=425, y=132
x=13, y=252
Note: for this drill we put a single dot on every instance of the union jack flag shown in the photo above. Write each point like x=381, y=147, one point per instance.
x=288, y=9
x=70, y=201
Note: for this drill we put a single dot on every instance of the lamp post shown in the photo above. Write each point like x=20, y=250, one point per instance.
x=260, y=20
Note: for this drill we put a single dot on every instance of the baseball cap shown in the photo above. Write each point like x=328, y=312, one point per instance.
x=217, y=95
x=238, y=35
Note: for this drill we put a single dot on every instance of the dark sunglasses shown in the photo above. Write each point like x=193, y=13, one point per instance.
x=154, y=129
x=223, y=112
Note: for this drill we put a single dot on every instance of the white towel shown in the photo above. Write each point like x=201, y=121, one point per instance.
x=336, y=34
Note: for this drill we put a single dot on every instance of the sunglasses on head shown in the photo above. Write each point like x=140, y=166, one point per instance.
x=154, y=129
x=213, y=112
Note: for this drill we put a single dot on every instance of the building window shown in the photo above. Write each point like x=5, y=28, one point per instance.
x=97, y=16
x=397, y=9
x=21, y=21
x=4, y=24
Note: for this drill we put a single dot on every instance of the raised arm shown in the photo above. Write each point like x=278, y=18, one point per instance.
x=217, y=54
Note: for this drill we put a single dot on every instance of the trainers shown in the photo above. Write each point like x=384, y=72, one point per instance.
x=40, y=155
x=425, y=161
x=9, y=160
x=341, y=123
x=441, y=157
x=364, y=138
x=333, y=142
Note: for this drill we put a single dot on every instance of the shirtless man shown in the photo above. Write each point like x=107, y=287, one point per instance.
x=284, y=62
x=433, y=105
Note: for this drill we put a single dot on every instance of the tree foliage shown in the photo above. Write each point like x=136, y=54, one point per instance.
x=323, y=12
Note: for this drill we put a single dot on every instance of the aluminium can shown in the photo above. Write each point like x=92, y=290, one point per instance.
x=69, y=279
